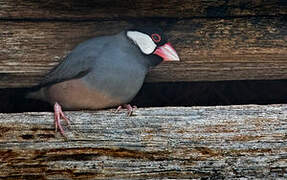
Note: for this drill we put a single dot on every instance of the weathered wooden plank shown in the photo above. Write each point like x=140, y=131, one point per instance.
x=217, y=49
x=176, y=142
x=118, y=9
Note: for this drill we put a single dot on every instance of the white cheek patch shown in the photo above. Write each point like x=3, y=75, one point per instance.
x=144, y=42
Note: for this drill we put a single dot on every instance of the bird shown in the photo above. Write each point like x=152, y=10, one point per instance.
x=104, y=72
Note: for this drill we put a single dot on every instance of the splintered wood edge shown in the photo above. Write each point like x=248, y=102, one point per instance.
x=101, y=9
x=182, y=142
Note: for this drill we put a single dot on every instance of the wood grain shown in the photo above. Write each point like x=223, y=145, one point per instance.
x=173, y=142
x=210, y=49
x=118, y=9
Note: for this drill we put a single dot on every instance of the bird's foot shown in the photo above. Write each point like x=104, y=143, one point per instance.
x=58, y=115
x=128, y=107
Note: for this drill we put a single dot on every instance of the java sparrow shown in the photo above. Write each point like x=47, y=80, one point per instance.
x=103, y=72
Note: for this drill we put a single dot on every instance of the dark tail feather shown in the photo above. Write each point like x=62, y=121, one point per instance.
x=16, y=100
x=35, y=93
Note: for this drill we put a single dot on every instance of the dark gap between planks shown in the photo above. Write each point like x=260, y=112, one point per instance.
x=174, y=94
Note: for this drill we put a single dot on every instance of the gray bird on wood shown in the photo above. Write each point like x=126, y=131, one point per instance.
x=104, y=72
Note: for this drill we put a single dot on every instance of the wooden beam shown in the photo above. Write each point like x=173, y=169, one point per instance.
x=174, y=142
x=210, y=49
x=118, y=9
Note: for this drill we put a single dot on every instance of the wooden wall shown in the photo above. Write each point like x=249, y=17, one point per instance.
x=216, y=40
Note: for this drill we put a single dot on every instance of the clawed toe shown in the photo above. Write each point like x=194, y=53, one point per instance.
x=58, y=115
x=128, y=107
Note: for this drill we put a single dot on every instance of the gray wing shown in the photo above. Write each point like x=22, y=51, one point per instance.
x=78, y=63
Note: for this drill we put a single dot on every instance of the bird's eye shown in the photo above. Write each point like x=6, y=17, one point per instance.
x=156, y=37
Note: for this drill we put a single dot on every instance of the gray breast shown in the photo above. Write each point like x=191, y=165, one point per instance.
x=119, y=72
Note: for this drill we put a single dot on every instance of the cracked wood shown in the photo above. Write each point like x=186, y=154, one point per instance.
x=173, y=142
x=118, y=9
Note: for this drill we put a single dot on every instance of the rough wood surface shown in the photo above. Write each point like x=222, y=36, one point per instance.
x=210, y=49
x=176, y=142
x=119, y=9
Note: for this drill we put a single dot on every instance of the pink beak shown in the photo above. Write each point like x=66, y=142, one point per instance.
x=167, y=52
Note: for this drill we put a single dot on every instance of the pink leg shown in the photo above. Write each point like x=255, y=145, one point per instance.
x=58, y=115
x=128, y=107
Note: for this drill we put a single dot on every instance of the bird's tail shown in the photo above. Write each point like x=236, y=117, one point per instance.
x=35, y=93
x=15, y=100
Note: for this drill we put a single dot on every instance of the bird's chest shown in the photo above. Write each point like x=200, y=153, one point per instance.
x=122, y=82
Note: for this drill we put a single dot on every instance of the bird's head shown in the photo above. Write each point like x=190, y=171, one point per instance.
x=152, y=41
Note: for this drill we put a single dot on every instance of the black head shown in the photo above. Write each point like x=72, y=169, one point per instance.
x=152, y=41
x=155, y=33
